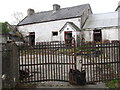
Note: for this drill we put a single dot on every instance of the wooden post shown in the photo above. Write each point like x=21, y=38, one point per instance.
x=74, y=53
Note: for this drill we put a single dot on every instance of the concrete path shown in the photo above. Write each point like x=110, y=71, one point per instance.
x=56, y=84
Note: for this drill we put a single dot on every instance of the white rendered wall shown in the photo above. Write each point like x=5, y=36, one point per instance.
x=107, y=34
x=43, y=31
x=110, y=34
x=69, y=28
x=88, y=35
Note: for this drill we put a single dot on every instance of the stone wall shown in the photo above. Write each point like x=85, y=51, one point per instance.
x=10, y=65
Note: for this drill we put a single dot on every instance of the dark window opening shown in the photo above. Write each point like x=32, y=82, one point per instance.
x=54, y=33
x=97, y=35
x=32, y=38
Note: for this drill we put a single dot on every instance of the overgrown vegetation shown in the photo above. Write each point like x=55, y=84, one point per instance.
x=33, y=51
x=87, y=49
x=113, y=84
x=25, y=85
x=4, y=29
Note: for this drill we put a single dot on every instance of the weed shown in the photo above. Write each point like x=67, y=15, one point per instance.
x=113, y=84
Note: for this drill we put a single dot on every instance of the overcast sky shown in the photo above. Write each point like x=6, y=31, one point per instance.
x=8, y=7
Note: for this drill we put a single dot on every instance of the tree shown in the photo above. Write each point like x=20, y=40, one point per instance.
x=4, y=29
x=18, y=16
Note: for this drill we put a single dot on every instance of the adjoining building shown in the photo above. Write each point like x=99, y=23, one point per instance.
x=102, y=27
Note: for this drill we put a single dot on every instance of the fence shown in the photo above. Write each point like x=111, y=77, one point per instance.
x=100, y=61
x=46, y=61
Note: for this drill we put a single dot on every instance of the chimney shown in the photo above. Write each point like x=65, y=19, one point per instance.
x=56, y=7
x=30, y=12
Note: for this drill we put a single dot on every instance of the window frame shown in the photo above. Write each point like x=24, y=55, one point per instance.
x=53, y=33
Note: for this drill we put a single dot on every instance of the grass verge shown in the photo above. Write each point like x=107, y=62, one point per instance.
x=113, y=84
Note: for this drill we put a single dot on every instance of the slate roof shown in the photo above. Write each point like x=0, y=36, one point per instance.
x=62, y=13
x=102, y=20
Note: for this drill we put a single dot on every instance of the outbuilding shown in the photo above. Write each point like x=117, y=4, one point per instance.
x=102, y=27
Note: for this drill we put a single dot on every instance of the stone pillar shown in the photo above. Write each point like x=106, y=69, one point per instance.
x=10, y=66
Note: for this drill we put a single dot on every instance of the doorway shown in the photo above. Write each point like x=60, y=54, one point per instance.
x=32, y=38
x=68, y=37
x=97, y=35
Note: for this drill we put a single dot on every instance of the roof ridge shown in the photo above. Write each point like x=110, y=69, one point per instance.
x=105, y=13
x=62, y=8
x=62, y=13
x=74, y=6
x=43, y=12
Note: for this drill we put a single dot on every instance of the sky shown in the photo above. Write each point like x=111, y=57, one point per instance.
x=9, y=7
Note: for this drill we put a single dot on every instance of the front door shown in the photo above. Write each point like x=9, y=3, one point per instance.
x=68, y=37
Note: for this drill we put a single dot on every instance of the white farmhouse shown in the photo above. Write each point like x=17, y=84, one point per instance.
x=59, y=24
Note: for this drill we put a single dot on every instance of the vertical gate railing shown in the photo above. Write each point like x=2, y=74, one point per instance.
x=46, y=61
x=101, y=61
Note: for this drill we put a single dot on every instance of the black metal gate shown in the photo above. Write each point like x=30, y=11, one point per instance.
x=46, y=61
x=100, y=61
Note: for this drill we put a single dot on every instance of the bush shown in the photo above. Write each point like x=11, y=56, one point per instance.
x=113, y=84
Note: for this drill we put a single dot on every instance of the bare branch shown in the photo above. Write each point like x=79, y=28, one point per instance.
x=18, y=16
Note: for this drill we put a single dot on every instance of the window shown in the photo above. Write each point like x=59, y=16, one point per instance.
x=88, y=11
x=54, y=33
x=97, y=35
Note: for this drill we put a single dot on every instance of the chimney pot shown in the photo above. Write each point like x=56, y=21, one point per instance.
x=30, y=11
x=56, y=7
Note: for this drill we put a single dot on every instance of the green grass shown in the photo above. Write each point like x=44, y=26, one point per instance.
x=113, y=84
x=46, y=51
x=88, y=49
x=26, y=85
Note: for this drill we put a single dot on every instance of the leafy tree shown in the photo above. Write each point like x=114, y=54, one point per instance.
x=4, y=29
